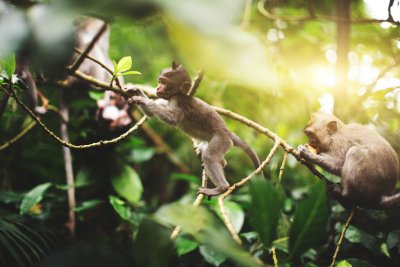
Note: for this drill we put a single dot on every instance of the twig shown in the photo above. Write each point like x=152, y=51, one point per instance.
x=196, y=82
x=342, y=236
x=247, y=14
x=196, y=203
x=64, y=143
x=272, y=136
x=90, y=46
x=227, y=221
x=69, y=172
x=18, y=136
x=222, y=197
x=282, y=166
x=101, y=64
x=309, y=17
x=274, y=258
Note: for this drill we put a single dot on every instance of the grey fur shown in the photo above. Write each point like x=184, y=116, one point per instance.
x=366, y=162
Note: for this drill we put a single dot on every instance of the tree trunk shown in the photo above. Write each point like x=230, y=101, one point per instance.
x=343, y=9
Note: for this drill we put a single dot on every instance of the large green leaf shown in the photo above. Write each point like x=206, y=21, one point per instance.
x=185, y=245
x=206, y=230
x=355, y=235
x=153, y=246
x=266, y=206
x=33, y=197
x=211, y=256
x=124, y=64
x=310, y=221
x=127, y=184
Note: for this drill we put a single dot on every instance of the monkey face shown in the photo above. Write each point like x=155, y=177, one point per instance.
x=320, y=129
x=166, y=88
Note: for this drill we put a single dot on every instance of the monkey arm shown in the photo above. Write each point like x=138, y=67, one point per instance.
x=160, y=108
x=329, y=163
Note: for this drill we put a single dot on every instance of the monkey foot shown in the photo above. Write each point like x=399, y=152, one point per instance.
x=212, y=191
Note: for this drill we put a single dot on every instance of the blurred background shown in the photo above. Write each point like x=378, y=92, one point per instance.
x=274, y=62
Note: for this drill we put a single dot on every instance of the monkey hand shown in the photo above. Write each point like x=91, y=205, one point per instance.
x=138, y=100
x=134, y=91
x=305, y=152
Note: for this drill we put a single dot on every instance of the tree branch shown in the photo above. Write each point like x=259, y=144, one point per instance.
x=310, y=17
x=64, y=143
x=342, y=236
x=18, y=136
x=82, y=56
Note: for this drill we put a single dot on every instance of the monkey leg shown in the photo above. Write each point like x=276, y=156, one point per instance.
x=337, y=192
x=213, y=161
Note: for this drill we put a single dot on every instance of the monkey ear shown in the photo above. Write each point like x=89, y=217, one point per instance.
x=332, y=127
x=175, y=65
x=185, y=87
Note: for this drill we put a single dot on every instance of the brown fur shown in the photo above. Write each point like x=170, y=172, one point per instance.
x=197, y=119
x=366, y=162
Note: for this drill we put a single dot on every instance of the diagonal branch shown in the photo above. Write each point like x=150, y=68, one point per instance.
x=82, y=56
x=67, y=144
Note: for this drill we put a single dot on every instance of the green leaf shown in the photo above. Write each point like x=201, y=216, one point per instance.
x=7, y=64
x=211, y=256
x=95, y=95
x=33, y=197
x=142, y=154
x=88, y=205
x=206, y=229
x=343, y=263
x=355, y=235
x=124, y=64
x=310, y=221
x=119, y=206
x=359, y=263
x=266, y=207
x=185, y=177
x=153, y=246
x=185, y=245
x=131, y=72
x=127, y=184
x=393, y=239
x=115, y=66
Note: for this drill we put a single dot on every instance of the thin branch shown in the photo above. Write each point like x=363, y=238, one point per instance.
x=18, y=136
x=101, y=64
x=64, y=143
x=227, y=221
x=282, y=166
x=342, y=236
x=272, y=136
x=222, y=197
x=82, y=56
x=196, y=82
x=309, y=17
x=69, y=172
x=247, y=14
x=274, y=257
x=196, y=203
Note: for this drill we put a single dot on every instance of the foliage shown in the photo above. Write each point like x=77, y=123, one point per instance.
x=131, y=194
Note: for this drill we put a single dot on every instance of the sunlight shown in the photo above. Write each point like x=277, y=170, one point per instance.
x=324, y=76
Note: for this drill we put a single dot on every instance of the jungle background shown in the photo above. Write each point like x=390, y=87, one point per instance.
x=273, y=62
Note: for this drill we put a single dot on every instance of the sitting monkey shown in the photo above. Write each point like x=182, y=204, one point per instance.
x=367, y=164
x=197, y=119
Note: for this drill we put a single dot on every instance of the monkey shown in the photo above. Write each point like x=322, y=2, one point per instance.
x=365, y=161
x=198, y=120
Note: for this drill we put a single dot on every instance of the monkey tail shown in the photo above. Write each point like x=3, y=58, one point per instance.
x=390, y=201
x=246, y=148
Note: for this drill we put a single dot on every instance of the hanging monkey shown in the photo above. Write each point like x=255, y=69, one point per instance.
x=198, y=120
x=366, y=162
